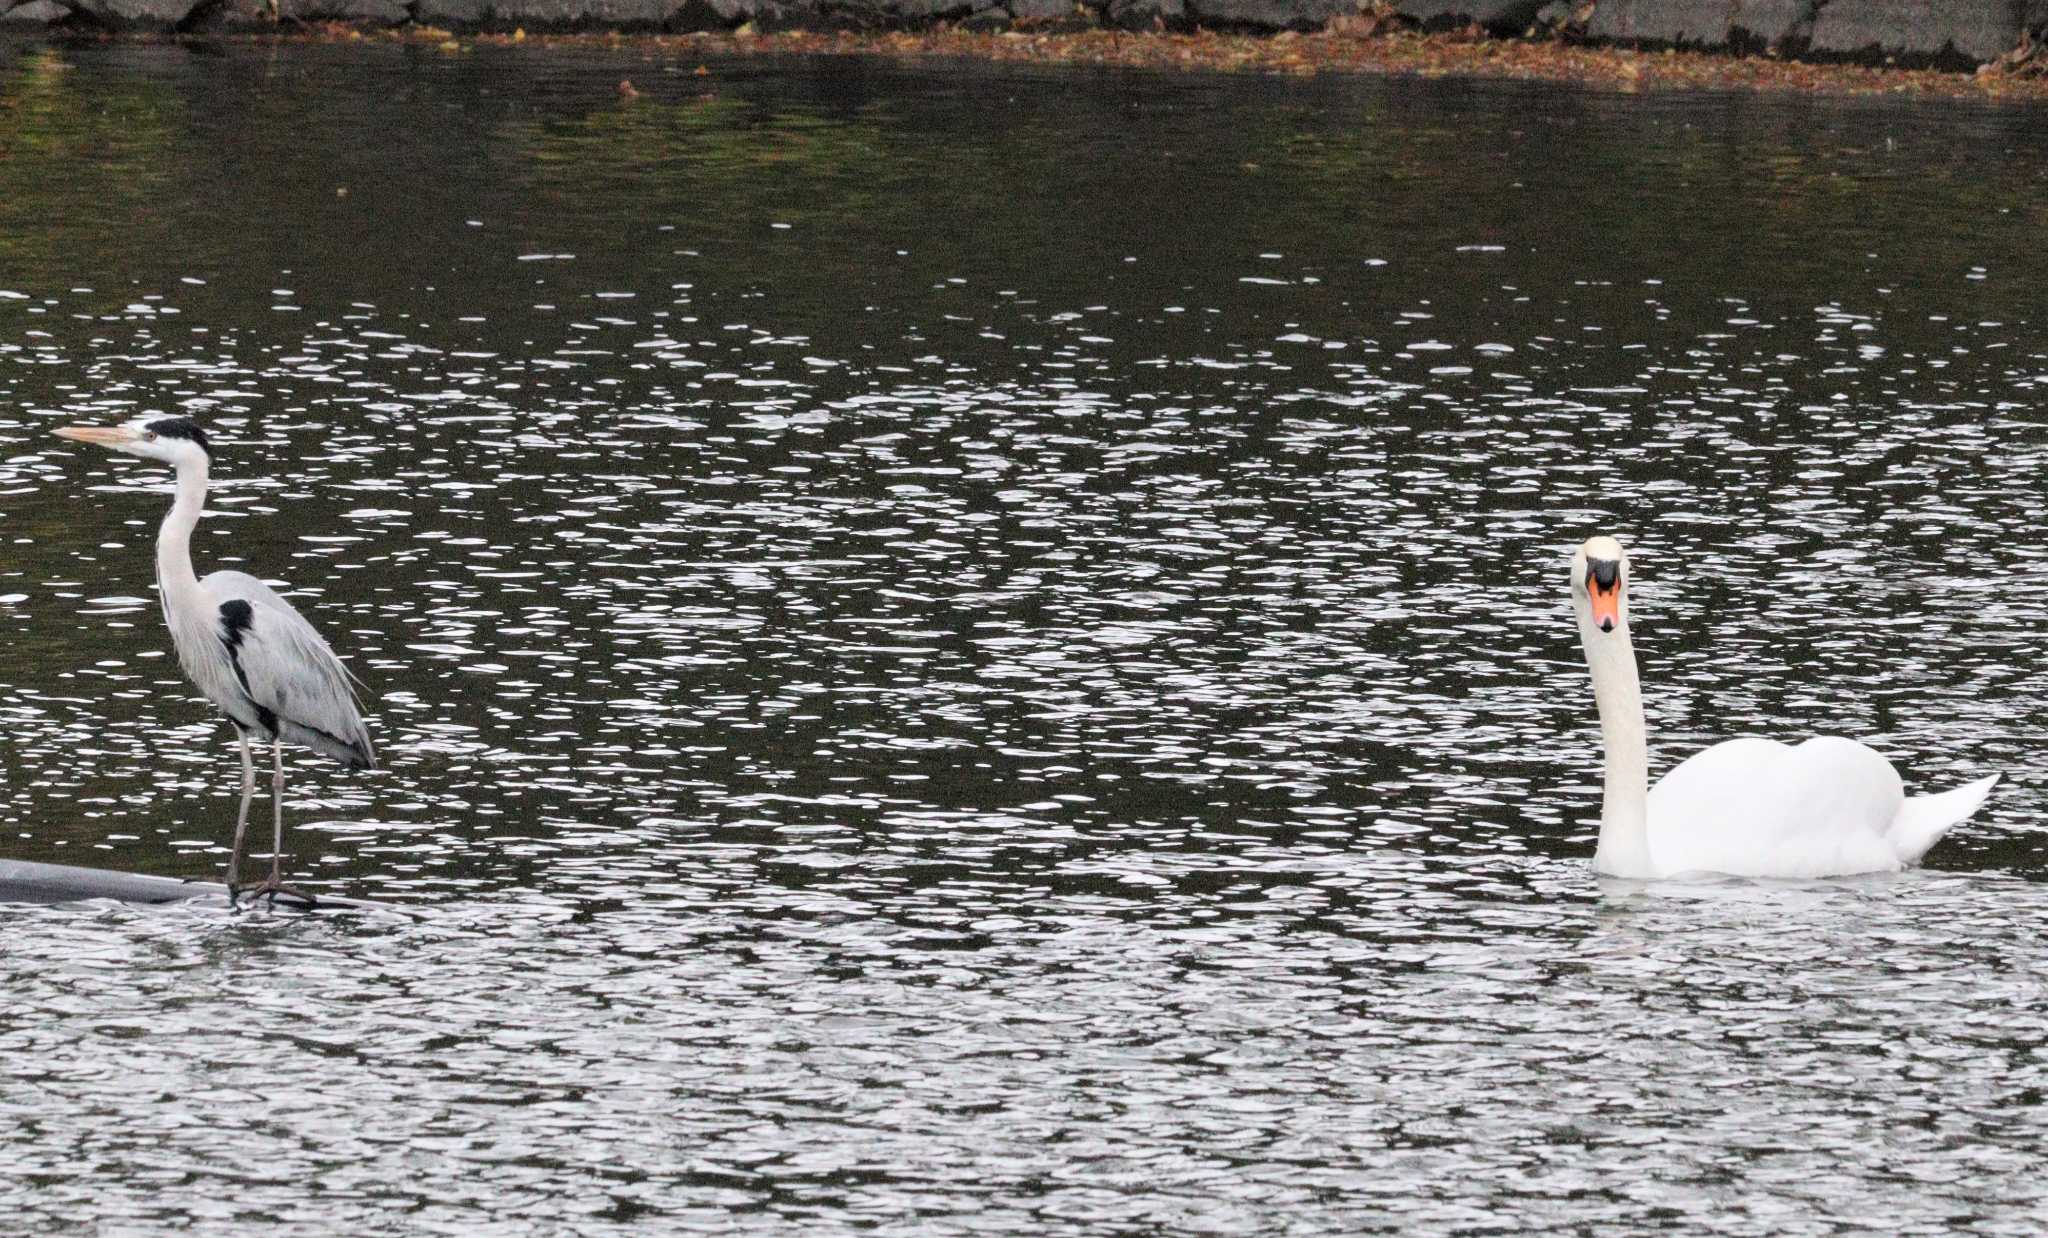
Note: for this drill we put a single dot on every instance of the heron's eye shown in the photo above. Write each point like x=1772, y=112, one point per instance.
x=150, y=435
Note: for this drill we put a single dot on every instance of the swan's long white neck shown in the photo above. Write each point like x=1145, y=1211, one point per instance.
x=1624, y=849
x=174, y=575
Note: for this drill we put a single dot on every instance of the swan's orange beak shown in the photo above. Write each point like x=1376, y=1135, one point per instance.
x=1603, y=590
x=1606, y=604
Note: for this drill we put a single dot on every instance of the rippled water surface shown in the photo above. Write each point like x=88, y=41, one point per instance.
x=965, y=650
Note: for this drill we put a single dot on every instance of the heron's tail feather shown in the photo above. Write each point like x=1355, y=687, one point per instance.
x=354, y=752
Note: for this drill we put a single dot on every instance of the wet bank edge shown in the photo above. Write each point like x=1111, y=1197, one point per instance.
x=1956, y=34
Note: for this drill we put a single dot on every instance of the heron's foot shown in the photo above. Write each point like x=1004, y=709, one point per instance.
x=270, y=892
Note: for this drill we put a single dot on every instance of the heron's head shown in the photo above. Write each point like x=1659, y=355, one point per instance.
x=173, y=440
x=1600, y=585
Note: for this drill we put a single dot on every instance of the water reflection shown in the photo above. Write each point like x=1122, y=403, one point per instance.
x=986, y=650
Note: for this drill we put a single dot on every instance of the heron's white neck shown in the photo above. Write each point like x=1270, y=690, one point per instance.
x=1624, y=849
x=174, y=575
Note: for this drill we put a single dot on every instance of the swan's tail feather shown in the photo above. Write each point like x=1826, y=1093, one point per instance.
x=1925, y=818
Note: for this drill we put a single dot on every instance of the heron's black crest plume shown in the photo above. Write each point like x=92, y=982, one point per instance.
x=181, y=427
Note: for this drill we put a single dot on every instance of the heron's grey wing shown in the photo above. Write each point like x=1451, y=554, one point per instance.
x=299, y=689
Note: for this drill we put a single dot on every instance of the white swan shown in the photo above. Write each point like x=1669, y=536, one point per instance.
x=1748, y=807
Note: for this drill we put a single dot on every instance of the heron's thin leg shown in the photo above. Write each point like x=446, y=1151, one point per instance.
x=277, y=812
x=242, y=817
x=273, y=888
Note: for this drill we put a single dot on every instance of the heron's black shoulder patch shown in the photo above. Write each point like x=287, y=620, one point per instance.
x=183, y=427
x=236, y=617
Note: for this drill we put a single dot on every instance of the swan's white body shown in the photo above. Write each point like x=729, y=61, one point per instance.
x=1755, y=807
x=1748, y=807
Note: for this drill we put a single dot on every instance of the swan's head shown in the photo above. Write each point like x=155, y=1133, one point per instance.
x=1600, y=586
x=177, y=441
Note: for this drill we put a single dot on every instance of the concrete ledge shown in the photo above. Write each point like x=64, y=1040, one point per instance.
x=22, y=881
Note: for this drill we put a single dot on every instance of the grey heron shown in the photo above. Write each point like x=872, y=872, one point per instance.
x=245, y=648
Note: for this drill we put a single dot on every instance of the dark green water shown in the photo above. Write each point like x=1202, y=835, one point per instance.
x=966, y=649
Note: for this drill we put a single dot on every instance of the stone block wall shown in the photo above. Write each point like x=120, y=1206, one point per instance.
x=1953, y=32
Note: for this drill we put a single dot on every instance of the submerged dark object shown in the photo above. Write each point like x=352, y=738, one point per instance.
x=23, y=881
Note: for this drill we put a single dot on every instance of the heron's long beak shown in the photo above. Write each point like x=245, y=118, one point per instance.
x=105, y=436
